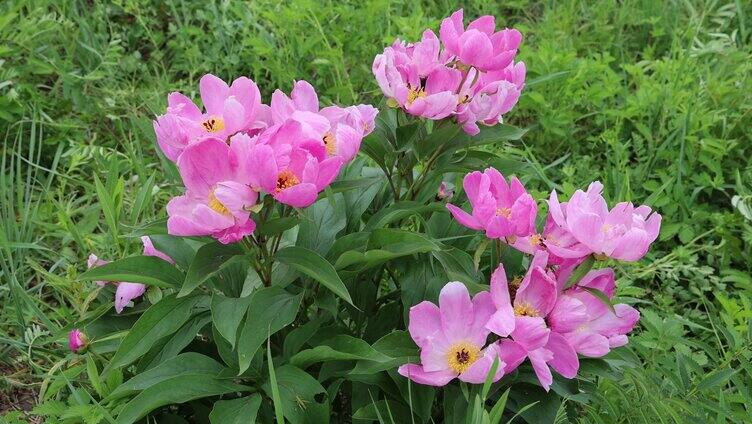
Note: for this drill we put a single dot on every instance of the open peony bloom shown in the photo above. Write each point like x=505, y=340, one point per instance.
x=452, y=339
x=600, y=329
x=125, y=292
x=624, y=233
x=480, y=45
x=229, y=110
x=76, y=340
x=502, y=210
x=287, y=164
x=340, y=129
x=491, y=97
x=529, y=310
x=217, y=200
x=415, y=77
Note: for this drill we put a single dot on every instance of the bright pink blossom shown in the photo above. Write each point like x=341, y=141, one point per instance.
x=217, y=197
x=480, y=45
x=287, y=164
x=76, y=340
x=452, y=339
x=415, y=77
x=341, y=130
x=228, y=110
x=502, y=210
x=601, y=329
x=492, y=96
x=624, y=233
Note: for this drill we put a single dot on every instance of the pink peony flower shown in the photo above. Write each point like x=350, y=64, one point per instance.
x=624, y=233
x=480, y=45
x=502, y=210
x=76, y=340
x=229, y=110
x=287, y=164
x=341, y=130
x=217, y=197
x=494, y=95
x=415, y=77
x=443, y=192
x=531, y=312
x=452, y=340
x=599, y=329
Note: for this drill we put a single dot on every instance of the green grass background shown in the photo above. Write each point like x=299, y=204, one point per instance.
x=654, y=98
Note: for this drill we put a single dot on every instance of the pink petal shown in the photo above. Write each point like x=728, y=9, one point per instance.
x=511, y=353
x=236, y=197
x=183, y=106
x=478, y=371
x=126, y=292
x=298, y=196
x=425, y=322
x=304, y=96
x=565, y=360
x=456, y=311
x=464, y=218
x=150, y=250
x=214, y=91
x=621, y=322
x=203, y=164
x=485, y=24
x=328, y=171
x=539, y=291
x=568, y=314
x=246, y=92
x=416, y=373
x=530, y=332
x=539, y=359
x=588, y=343
x=234, y=115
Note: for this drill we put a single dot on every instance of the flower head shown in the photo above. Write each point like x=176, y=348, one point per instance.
x=228, y=110
x=502, y=210
x=624, y=232
x=76, y=340
x=480, y=45
x=452, y=339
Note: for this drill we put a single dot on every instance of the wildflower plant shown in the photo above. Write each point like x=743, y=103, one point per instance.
x=315, y=265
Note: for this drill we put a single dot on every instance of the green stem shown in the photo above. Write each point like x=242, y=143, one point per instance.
x=579, y=272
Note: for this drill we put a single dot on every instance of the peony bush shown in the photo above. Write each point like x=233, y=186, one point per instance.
x=324, y=263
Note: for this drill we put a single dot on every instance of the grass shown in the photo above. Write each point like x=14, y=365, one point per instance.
x=652, y=98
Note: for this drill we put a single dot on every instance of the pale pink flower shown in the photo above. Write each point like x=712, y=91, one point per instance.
x=228, y=110
x=624, y=232
x=217, y=197
x=480, y=45
x=443, y=192
x=76, y=340
x=452, y=339
x=502, y=210
x=492, y=96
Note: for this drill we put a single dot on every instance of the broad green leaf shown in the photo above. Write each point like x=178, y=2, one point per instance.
x=338, y=348
x=189, y=363
x=179, y=389
x=313, y=265
x=270, y=310
x=716, y=379
x=297, y=392
x=236, y=411
x=158, y=321
x=321, y=223
x=396, y=345
x=399, y=211
x=209, y=260
x=276, y=226
x=174, y=344
x=148, y=270
x=227, y=313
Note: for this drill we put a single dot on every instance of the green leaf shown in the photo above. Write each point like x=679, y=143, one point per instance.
x=227, y=313
x=180, y=249
x=278, y=408
x=313, y=265
x=189, y=363
x=148, y=270
x=179, y=389
x=236, y=411
x=297, y=392
x=270, y=310
x=579, y=272
x=160, y=320
x=276, y=226
x=399, y=211
x=209, y=259
x=321, y=223
x=715, y=379
x=338, y=348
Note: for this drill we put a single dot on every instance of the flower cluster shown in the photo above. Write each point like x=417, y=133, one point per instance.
x=240, y=148
x=540, y=316
x=468, y=73
x=574, y=230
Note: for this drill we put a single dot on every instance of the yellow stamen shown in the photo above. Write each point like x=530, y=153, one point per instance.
x=286, y=179
x=415, y=93
x=461, y=355
x=331, y=143
x=536, y=239
x=525, y=309
x=216, y=205
x=213, y=124
x=505, y=212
